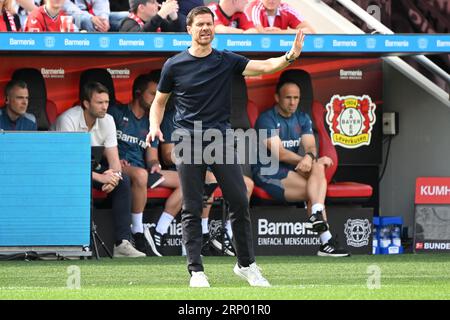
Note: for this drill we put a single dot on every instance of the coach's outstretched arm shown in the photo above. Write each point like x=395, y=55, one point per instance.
x=257, y=67
x=156, y=115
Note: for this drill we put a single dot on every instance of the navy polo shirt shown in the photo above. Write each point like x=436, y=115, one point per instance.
x=201, y=88
x=27, y=122
x=290, y=130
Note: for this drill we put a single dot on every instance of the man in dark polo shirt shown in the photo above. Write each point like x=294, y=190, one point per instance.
x=14, y=116
x=199, y=80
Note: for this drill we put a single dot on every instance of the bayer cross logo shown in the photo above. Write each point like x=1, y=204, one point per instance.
x=104, y=42
x=318, y=43
x=371, y=43
x=351, y=120
x=357, y=232
x=422, y=43
x=158, y=42
x=265, y=43
x=49, y=42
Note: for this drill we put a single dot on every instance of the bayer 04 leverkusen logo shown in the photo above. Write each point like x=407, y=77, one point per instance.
x=351, y=119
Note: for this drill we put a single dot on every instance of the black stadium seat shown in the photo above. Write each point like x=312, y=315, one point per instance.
x=37, y=91
x=99, y=75
x=336, y=191
x=239, y=98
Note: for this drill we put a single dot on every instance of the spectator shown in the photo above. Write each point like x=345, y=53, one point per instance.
x=145, y=17
x=9, y=20
x=185, y=7
x=299, y=178
x=91, y=117
x=50, y=17
x=139, y=161
x=94, y=15
x=188, y=5
x=24, y=7
x=119, y=5
x=230, y=18
x=272, y=16
x=14, y=116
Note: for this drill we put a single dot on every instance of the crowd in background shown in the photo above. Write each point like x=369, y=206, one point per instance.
x=231, y=16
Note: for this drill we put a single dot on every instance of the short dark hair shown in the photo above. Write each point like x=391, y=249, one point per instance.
x=14, y=83
x=89, y=89
x=196, y=12
x=280, y=85
x=141, y=82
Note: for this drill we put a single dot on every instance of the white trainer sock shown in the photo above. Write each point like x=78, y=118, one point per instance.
x=205, y=228
x=136, y=221
x=164, y=222
x=317, y=207
x=325, y=237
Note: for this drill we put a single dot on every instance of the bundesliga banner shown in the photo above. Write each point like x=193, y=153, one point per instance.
x=432, y=215
x=157, y=42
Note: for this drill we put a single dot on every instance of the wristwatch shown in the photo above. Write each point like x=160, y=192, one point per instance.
x=286, y=56
x=313, y=157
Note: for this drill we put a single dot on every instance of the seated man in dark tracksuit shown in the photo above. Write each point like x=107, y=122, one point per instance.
x=298, y=178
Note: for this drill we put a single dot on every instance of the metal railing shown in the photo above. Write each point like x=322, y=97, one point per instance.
x=381, y=28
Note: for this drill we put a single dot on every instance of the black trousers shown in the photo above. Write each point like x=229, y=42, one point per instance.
x=121, y=208
x=231, y=181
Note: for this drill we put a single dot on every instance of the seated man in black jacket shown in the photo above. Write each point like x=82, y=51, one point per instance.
x=145, y=17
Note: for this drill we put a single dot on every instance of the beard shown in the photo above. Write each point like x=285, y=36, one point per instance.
x=144, y=105
x=205, y=41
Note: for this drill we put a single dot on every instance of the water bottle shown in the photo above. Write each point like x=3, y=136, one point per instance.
x=385, y=237
x=395, y=235
x=375, y=237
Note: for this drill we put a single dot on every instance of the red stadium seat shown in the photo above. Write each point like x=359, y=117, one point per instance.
x=156, y=193
x=342, y=191
x=38, y=103
x=261, y=194
x=52, y=111
x=336, y=190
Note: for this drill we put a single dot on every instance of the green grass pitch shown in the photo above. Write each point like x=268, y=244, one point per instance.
x=405, y=276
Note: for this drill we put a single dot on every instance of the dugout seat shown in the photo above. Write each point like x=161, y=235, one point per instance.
x=239, y=98
x=99, y=75
x=336, y=191
x=157, y=194
x=43, y=109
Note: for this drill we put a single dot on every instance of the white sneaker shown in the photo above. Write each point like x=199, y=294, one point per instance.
x=252, y=274
x=126, y=249
x=198, y=280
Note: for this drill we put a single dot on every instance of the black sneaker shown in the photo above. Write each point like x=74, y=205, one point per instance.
x=315, y=223
x=330, y=249
x=155, y=239
x=206, y=245
x=141, y=244
x=216, y=242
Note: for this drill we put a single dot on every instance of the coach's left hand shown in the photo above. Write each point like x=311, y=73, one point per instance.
x=297, y=47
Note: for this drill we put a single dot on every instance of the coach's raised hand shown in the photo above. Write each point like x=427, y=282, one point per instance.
x=297, y=46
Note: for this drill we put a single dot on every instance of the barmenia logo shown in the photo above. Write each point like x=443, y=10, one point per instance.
x=350, y=74
x=120, y=73
x=53, y=73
